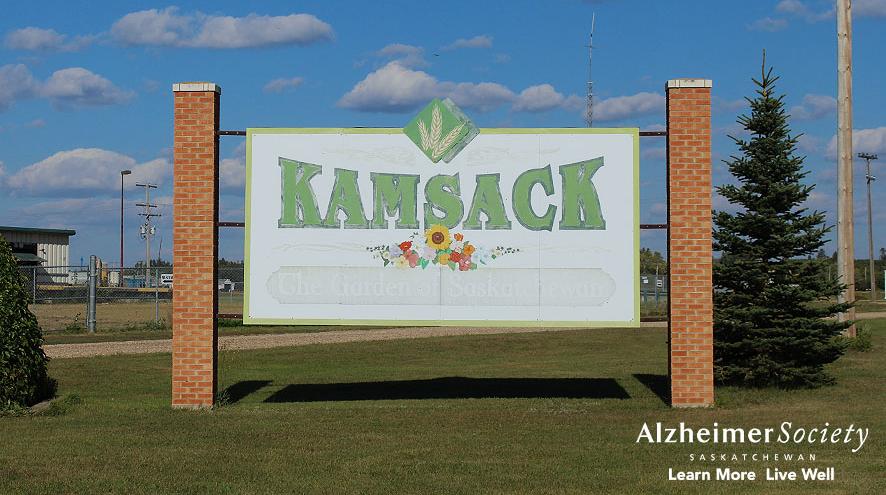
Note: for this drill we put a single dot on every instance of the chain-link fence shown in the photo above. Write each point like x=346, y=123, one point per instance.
x=128, y=298
x=131, y=298
x=136, y=298
x=653, y=296
x=230, y=291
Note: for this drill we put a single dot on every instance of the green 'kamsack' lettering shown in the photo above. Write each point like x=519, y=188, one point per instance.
x=442, y=193
x=581, y=205
x=346, y=197
x=522, y=199
x=487, y=200
x=394, y=194
x=299, y=204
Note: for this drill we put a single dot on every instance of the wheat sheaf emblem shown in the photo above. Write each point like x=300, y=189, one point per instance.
x=432, y=140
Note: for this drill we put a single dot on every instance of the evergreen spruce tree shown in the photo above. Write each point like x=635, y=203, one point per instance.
x=771, y=315
x=23, y=377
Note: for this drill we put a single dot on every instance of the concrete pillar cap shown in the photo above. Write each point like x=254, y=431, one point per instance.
x=196, y=86
x=689, y=83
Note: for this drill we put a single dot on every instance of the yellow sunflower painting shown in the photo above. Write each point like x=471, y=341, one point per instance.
x=438, y=237
x=441, y=248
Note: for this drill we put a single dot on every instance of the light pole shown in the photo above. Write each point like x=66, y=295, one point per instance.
x=122, y=173
x=867, y=157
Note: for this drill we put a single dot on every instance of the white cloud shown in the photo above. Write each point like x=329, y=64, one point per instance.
x=728, y=105
x=869, y=8
x=77, y=87
x=406, y=55
x=623, y=107
x=232, y=173
x=808, y=144
x=16, y=83
x=35, y=39
x=255, y=30
x=502, y=58
x=574, y=103
x=60, y=211
x=66, y=213
x=283, y=84
x=540, y=98
x=483, y=97
x=398, y=49
x=863, y=141
x=85, y=171
x=44, y=40
x=392, y=88
x=481, y=41
x=814, y=107
x=66, y=88
x=232, y=170
x=822, y=11
x=733, y=129
x=868, y=140
x=168, y=27
x=153, y=27
x=768, y=24
x=804, y=11
x=395, y=88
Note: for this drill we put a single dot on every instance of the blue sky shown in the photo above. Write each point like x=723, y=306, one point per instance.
x=85, y=90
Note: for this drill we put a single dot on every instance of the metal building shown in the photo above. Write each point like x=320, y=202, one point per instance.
x=45, y=249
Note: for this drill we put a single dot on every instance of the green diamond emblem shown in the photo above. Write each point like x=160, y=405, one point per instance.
x=441, y=130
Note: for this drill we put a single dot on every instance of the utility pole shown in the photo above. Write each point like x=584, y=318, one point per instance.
x=589, y=114
x=122, y=174
x=147, y=229
x=867, y=157
x=845, y=227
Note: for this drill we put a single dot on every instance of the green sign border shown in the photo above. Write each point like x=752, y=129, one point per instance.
x=635, y=323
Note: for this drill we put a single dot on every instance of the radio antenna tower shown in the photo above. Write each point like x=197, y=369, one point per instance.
x=589, y=114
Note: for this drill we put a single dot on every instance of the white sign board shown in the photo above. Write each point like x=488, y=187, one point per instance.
x=522, y=227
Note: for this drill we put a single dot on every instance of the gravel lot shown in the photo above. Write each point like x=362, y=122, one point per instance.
x=240, y=342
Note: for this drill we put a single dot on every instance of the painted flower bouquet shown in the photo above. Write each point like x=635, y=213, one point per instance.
x=438, y=247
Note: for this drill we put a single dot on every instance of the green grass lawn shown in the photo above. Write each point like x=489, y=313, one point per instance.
x=377, y=417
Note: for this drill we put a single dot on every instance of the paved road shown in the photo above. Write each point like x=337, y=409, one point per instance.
x=267, y=341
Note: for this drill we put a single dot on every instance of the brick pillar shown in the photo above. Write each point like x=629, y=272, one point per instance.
x=195, y=249
x=690, y=356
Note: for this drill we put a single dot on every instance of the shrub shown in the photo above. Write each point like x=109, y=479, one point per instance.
x=862, y=342
x=23, y=376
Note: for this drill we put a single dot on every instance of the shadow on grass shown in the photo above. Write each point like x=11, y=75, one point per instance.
x=657, y=384
x=454, y=388
x=236, y=392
